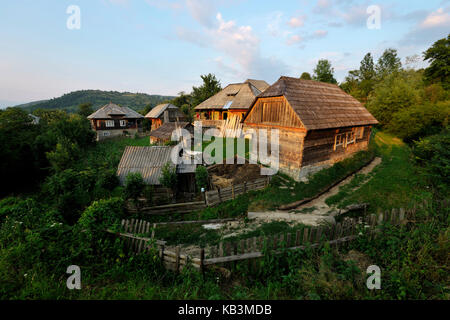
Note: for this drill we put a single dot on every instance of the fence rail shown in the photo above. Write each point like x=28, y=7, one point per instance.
x=217, y=196
x=254, y=248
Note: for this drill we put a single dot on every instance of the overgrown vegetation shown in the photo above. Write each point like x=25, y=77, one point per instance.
x=73, y=196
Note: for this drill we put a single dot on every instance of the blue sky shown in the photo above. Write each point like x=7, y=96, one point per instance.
x=162, y=47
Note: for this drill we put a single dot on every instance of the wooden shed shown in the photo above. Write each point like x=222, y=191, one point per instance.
x=164, y=133
x=319, y=124
x=164, y=113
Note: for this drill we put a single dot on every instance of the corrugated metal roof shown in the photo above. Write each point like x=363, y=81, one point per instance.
x=111, y=109
x=157, y=111
x=146, y=160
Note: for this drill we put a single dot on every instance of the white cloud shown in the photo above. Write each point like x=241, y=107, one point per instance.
x=433, y=27
x=439, y=18
x=296, y=22
x=240, y=45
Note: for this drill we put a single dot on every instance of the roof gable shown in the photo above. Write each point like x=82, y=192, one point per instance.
x=241, y=96
x=320, y=105
x=157, y=111
x=111, y=109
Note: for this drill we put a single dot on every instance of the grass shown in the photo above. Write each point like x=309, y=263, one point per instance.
x=395, y=183
x=223, y=141
x=107, y=153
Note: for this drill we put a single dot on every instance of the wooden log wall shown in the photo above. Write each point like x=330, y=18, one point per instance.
x=319, y=145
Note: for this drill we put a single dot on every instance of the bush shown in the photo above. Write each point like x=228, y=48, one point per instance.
x=102, y=214
x=134, y=186
x=201, y=177
x=433, y=154
x=169, y=177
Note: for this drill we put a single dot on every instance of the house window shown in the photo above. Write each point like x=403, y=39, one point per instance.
x=359, y=132
x=339, y=140
x=350, y=138
x=106, y=134
x=109, y=123
x=123, y=123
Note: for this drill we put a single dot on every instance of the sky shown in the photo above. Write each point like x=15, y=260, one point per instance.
x=52, y=47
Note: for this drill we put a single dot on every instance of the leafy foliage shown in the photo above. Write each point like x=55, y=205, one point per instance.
x=439, y=57
x=201, y=177
x=134, y=186
x=324, y=72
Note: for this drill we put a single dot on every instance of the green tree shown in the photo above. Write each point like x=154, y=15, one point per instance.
x=439, y=57
x=169, y=177
x=210, y=87
x=324, y=72
x=201, y=177
x=134, y=186
x=85, y=109
x=388, y=63
x=305, y=76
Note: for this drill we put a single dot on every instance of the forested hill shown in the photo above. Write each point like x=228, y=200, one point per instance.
x=97, y=98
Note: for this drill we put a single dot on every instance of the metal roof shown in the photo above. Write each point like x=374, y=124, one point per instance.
x=148, y=161
x=157, y=111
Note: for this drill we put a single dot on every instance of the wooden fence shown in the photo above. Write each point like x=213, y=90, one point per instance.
x=184, y=207
x=231, y=252
x=217, y=196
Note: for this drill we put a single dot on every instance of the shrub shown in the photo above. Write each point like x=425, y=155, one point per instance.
x=169, y=177
x=102, y=214
x=201, y=177
x=134, y=186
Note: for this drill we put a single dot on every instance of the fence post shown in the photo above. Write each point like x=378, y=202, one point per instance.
x=177, y=258
x=297, y=238
x=218, y=193
x=202, y=260
x=153, y=231
x=305, y=235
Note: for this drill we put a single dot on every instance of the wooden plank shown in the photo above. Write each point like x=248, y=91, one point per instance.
x=297, y=238
x=177, y=262
x=305, y=235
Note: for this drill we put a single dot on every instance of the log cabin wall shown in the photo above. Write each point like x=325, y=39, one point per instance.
x=330, y=146
x=275, y=113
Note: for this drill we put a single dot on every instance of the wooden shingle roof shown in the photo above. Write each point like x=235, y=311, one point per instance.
x=235, y=96
x=146, y=160
x=111, y=109
x=320, y=105
x=164, y=132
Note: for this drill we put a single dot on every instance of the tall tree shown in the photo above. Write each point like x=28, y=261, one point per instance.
x=388, y=63
x=439, y=57
x=85, y=109
x=305, y=76
x=209, y=88
x=324, y=72
x=367, y=68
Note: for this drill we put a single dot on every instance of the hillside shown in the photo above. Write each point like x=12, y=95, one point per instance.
x=98, y=98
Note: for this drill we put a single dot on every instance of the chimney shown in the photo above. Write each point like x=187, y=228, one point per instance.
x=166, y=116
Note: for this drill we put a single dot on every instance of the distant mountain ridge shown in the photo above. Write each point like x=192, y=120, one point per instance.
x=98, y=98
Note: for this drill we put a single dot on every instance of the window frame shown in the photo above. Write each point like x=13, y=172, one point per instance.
x=108, y=123
x=123, y=123
x=341, y=137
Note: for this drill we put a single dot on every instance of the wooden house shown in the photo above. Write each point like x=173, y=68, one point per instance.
x=112, y=120
x=164, y=113
x=234, y=100
x=319, y=124
x=163, y=134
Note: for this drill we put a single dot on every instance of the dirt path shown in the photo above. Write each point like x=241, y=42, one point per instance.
x=316, y=211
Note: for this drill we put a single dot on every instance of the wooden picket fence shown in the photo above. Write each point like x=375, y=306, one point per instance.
x=253, y=248
x=220, y=195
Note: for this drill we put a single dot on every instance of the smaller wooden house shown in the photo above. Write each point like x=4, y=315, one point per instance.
x=164, y=113
x=233, y=101
x=318, y=123
x=112, y=120
x=163, y=134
